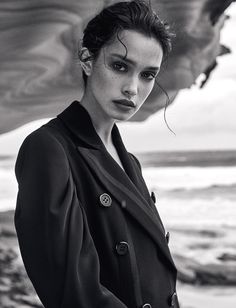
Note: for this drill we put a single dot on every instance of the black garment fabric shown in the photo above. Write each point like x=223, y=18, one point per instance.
x=78, y=250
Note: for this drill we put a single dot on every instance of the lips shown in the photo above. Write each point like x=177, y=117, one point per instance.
x=124, y=102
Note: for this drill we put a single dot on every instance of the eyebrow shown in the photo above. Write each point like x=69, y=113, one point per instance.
x=155, y=68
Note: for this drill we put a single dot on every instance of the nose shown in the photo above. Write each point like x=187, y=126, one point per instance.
x=130, y=88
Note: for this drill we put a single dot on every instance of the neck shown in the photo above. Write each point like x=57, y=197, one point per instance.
x=101, y=122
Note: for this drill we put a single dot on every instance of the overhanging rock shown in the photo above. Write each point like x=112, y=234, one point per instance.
x=39, y=72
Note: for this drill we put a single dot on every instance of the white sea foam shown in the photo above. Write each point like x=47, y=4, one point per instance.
x=8, y=185
x=7, y=204
x=199, y=213
x=188, y=177
x=174, y=207
x=193, y=196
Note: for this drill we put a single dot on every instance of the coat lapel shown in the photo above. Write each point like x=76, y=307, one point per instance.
x=122, y=188
x=122, y=185
x=134, y=172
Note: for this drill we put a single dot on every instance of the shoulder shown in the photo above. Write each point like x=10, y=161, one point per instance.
x=135, y=159
x=46, y=139
x=42, y=148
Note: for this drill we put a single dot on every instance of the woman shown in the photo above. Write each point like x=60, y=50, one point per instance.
x=89, y=232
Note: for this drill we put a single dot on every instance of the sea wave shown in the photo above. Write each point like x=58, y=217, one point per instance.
x=7, y=162
x=212, y=192
x=217, y=213
x=8, y=187
x=189, y=177
x=188, y=158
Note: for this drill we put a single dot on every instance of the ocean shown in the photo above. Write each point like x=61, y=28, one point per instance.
x=8, y=184
x=196, y=199
x=192, y=188
x=195, y=188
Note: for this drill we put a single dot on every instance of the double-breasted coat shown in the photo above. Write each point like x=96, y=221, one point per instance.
x=89, y=232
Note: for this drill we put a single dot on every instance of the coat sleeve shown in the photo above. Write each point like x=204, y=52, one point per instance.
x=56, y=245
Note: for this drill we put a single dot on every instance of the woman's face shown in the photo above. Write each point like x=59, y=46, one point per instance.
x=122, y=78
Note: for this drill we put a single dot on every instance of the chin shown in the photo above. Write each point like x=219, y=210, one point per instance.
x=123, y=117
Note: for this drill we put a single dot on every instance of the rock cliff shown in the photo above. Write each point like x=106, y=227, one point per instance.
x=40, y=74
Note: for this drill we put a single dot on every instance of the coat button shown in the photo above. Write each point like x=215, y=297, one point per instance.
x=146, y=306
x=153, y=196
x=122, y=248
x=123, y=204
x=173, y=300
x=105, y=200
x=167, y=237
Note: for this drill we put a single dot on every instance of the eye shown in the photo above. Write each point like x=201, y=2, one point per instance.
x=149, y=75
x=119, y=66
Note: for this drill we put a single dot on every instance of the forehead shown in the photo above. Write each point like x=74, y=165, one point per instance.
x=141, y=49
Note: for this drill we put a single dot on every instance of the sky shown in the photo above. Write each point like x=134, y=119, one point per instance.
x=202, y=119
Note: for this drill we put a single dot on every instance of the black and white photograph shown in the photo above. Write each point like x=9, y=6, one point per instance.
x=117, y=154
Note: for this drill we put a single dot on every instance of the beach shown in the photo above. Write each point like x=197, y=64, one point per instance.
x=16, y=290
x=197, y=205
x=208, y=291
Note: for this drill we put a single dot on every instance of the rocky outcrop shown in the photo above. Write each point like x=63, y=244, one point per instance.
x=193, y=272
x=205, y=256
x=39, y=71
x=16, y=289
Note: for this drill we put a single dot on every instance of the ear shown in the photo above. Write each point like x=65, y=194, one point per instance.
x=86, y=61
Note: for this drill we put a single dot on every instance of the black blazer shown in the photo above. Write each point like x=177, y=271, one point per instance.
x=89, y=233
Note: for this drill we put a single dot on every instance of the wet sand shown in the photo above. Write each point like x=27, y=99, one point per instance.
x=206, y=296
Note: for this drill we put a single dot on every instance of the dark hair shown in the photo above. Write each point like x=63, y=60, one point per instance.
x=128, y=15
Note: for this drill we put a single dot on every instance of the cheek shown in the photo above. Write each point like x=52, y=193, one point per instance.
x=104, y=79
x=146, y=89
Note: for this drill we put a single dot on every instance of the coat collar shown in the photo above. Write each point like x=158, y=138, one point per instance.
x=125, y=186
x=77, y=119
